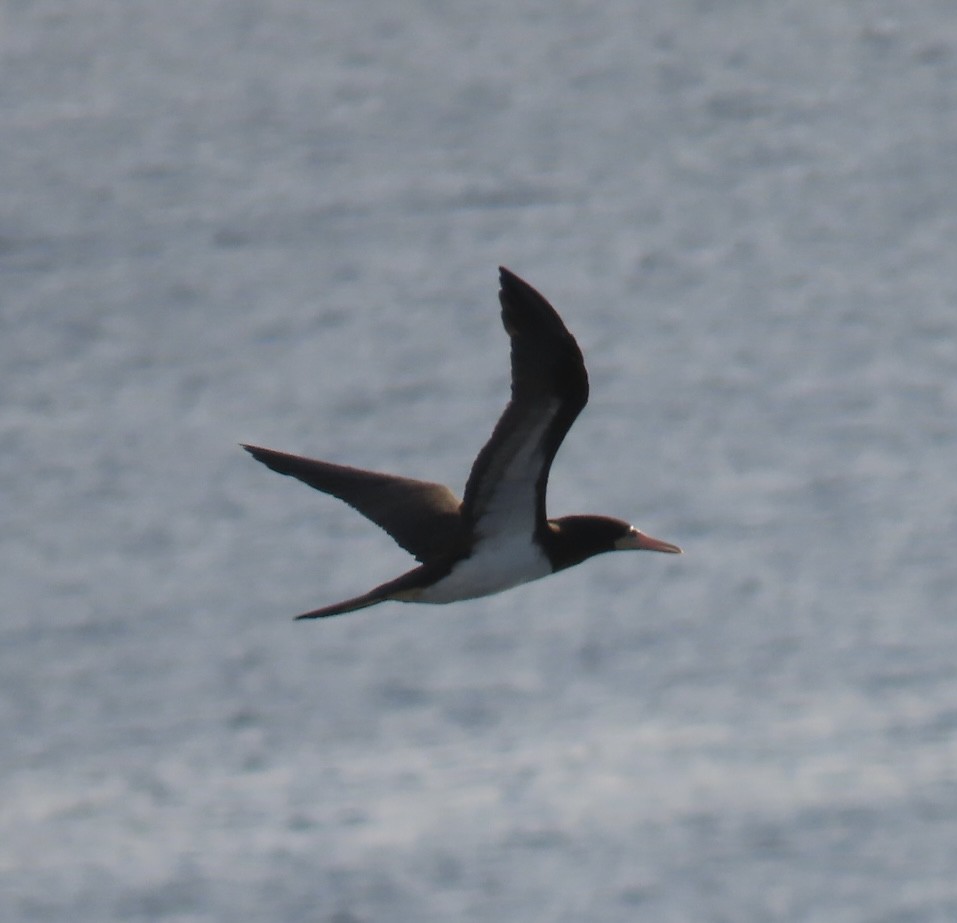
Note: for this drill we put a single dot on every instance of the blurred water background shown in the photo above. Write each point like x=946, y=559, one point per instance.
x=279, y=222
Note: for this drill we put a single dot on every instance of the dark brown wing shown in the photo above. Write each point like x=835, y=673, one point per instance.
x=422, y=517
x=505, y=493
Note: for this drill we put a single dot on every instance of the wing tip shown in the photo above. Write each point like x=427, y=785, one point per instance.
x=262, y=455
x=515, y=289
x=513, y=284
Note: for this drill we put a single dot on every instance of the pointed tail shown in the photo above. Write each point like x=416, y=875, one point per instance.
x=406, y=588
x=347, y=605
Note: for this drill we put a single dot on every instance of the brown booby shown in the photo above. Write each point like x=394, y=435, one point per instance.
x=499, y=535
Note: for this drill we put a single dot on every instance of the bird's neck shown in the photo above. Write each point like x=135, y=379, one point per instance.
x=570, y=541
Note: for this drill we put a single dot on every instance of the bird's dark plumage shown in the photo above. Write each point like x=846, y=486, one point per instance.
x=499, y=535
x=422, y=517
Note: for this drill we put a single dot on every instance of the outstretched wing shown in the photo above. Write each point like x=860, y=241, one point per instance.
x=422, y=517
x=505, y=493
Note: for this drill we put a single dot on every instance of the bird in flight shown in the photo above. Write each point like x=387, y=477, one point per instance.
x=499, y=535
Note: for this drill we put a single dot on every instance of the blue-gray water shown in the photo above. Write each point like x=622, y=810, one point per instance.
x=279, y=222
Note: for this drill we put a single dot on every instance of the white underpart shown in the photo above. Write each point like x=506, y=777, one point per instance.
x=504, y=553
x=493, y=567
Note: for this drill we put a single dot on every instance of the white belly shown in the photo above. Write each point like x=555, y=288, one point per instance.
x=489, y=571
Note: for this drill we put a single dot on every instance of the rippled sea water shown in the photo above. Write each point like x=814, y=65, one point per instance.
x=279, y=223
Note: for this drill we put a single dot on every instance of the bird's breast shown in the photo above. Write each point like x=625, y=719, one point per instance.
x=490, y=568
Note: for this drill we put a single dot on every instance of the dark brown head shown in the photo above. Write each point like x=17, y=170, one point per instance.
x=573, y=539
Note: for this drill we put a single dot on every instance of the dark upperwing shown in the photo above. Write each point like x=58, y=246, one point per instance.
x=422, y=517
x=506, y=488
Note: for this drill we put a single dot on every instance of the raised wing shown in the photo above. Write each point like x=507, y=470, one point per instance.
x=505, y=493
x=422, y=517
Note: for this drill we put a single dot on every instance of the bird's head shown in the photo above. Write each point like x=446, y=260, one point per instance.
x=577, y=538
